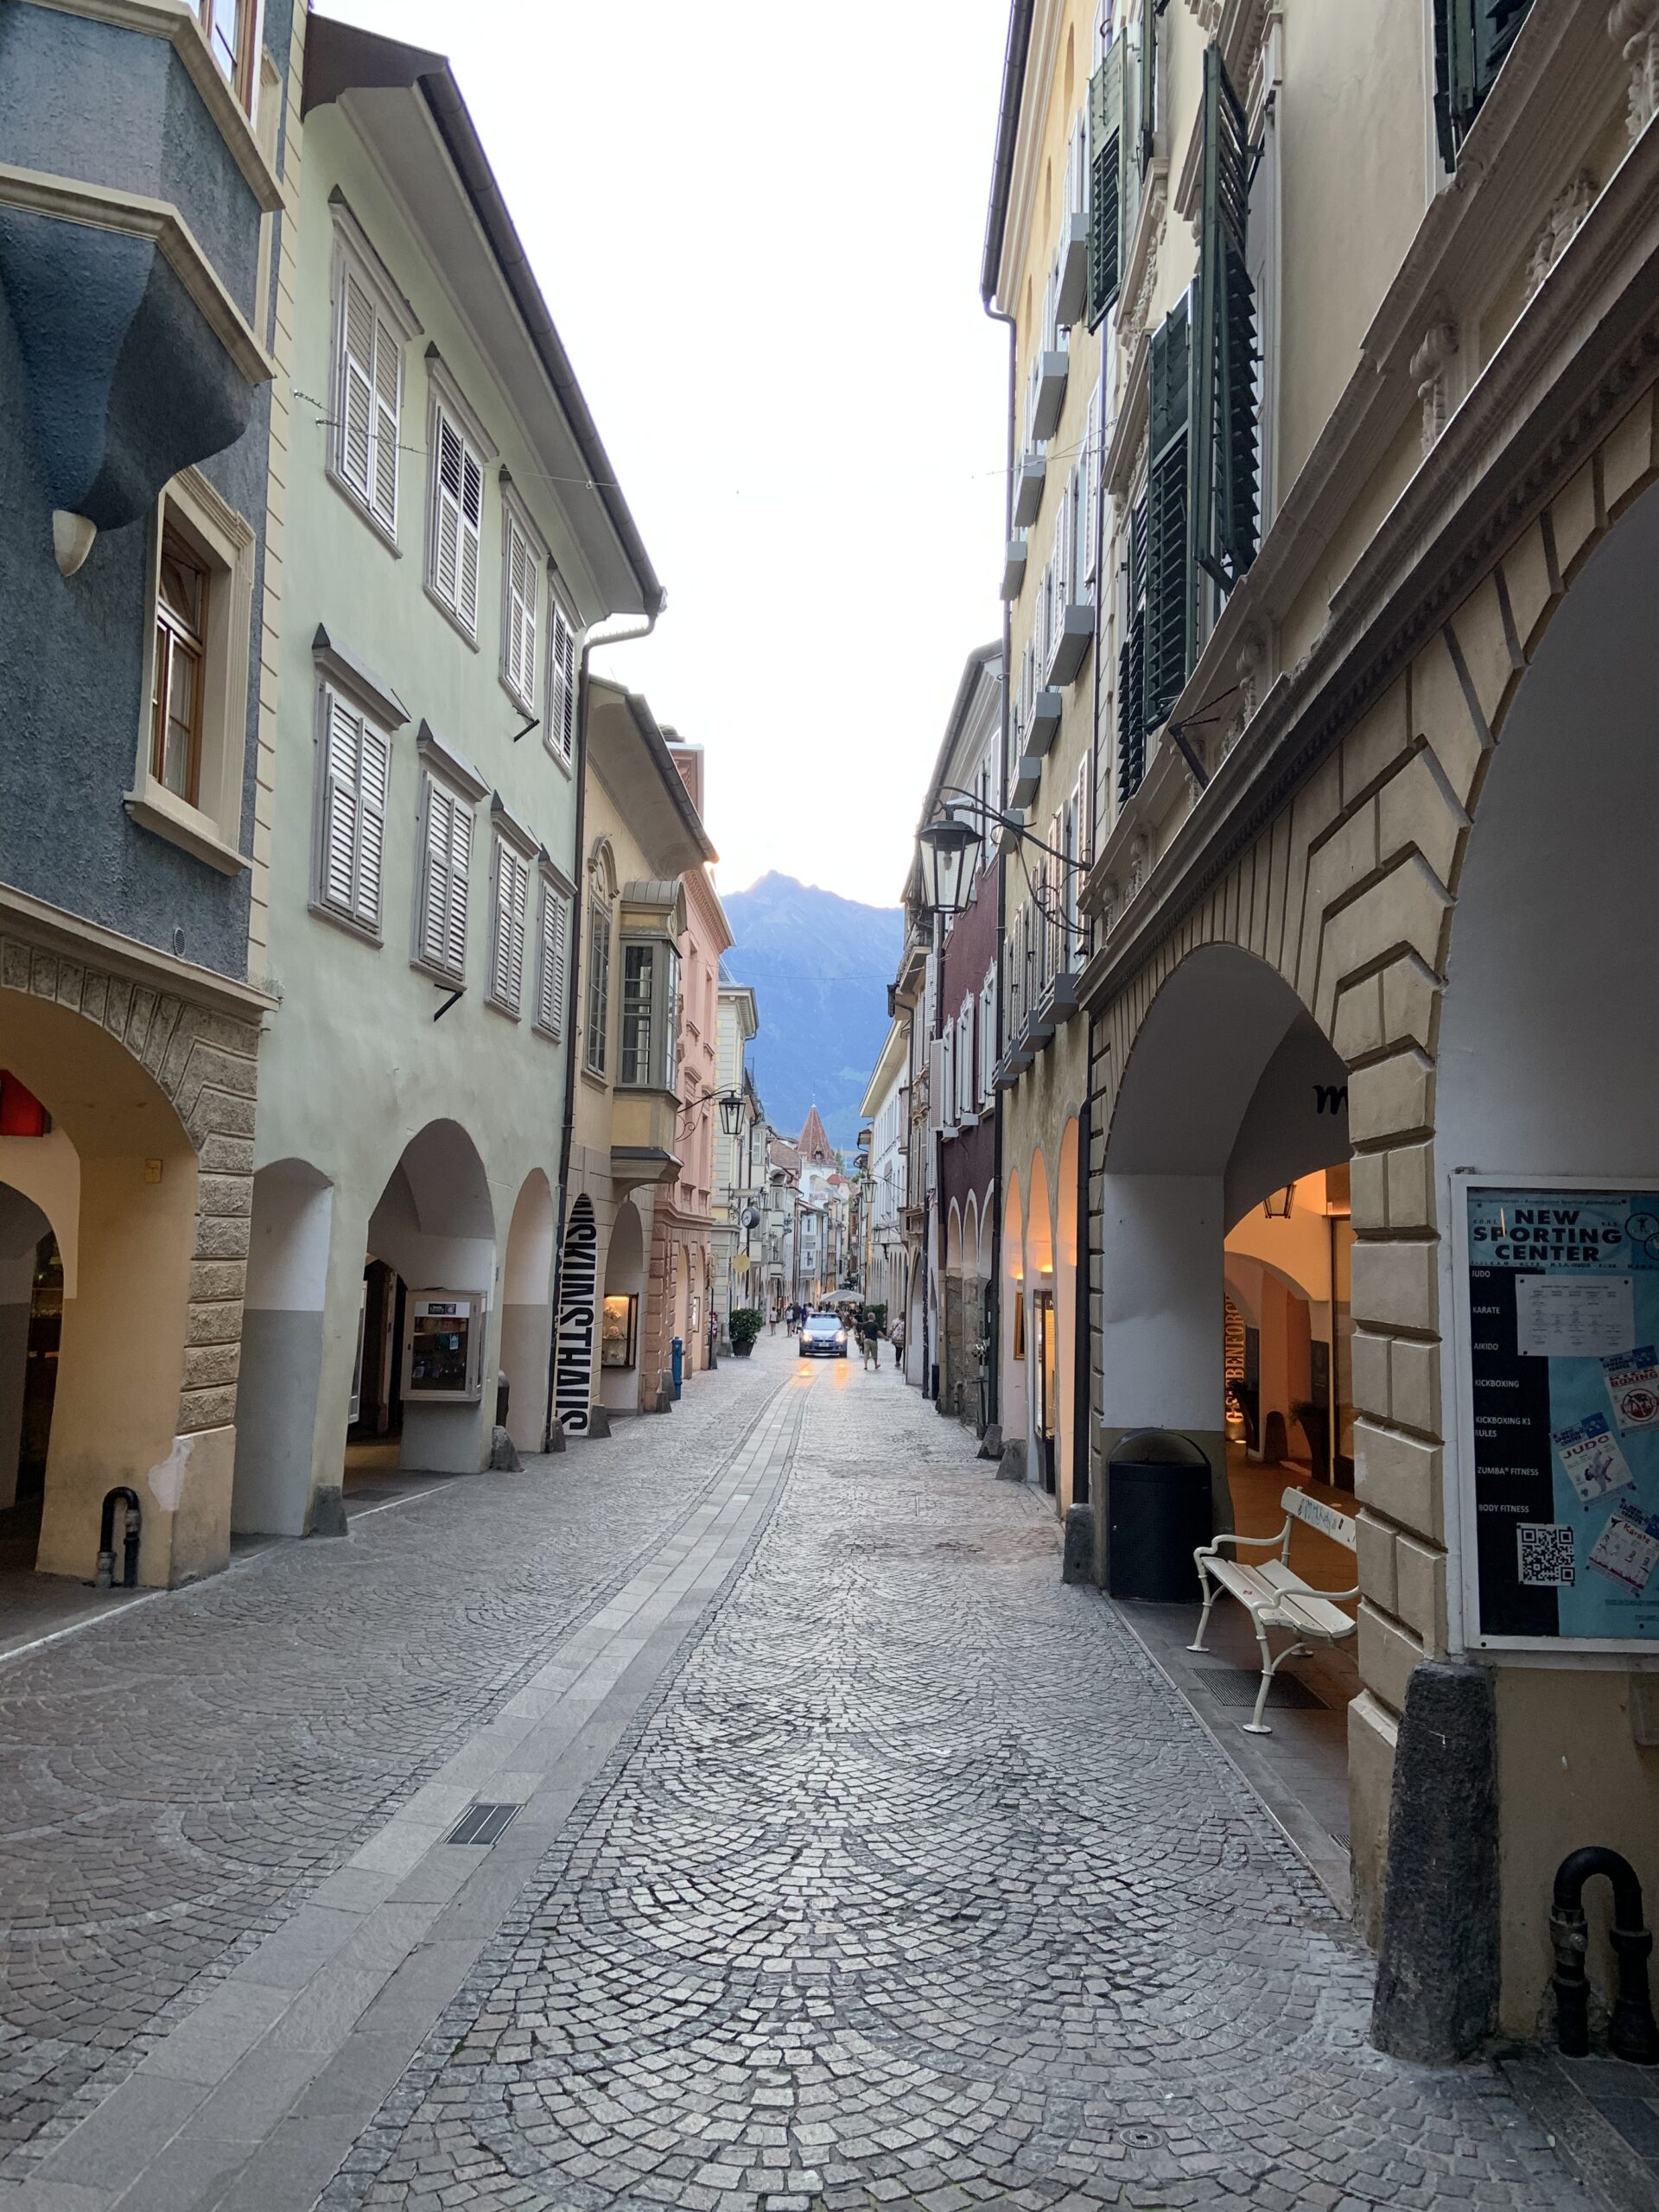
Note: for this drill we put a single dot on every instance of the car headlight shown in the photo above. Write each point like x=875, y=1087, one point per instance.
x=841, y=1335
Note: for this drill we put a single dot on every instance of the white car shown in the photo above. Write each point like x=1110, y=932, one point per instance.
x=822, y=1336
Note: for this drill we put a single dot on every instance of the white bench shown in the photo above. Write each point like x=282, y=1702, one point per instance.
x=1276, y=1597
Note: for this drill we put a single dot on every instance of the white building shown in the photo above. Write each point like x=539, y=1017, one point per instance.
x=886, y=1111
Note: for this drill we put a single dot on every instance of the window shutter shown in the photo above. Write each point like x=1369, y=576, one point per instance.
x=1171, y=572
x=1131, y=667
x=434, y=875
x=356, y=415
x=1105, y=192
x=373, y=780
x=1222, y=446
x=523, y=592
x=388, y=382
x=472, y=515
x=1148, y=102
x=562, y=681
x=1472, y=38
x=460, y=854
x=550, y=975
x=507, y=937
x=445, y=520
x=336, y=869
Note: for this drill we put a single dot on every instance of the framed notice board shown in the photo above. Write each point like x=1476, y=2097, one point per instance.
x=1557, y=1320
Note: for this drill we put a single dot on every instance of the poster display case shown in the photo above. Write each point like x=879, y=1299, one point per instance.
x=1557, y=1331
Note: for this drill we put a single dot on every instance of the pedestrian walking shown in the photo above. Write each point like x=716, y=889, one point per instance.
x=871, y=1343
x=896, y=1337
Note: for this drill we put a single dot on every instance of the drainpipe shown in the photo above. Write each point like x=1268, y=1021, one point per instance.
x=574, y=1024
x=993, y=1395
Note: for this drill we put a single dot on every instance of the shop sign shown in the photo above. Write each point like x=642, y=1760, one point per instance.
x=1558, y=1314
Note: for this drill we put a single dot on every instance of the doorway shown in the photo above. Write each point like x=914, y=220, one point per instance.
x=1045, y=1365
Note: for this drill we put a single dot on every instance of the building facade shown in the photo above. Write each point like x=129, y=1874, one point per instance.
x=643, y=841
x=1374, y=524
x=885, y=1110
x=443, y=580
x=740, y=1156
x=143, y=405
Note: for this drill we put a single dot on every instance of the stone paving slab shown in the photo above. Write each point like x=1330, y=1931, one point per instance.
x=916, y=1885
x=186, y=1778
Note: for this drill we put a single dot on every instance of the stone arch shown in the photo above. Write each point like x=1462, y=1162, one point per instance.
x=953, y=1239
x=526, y=1310
x=969, y=1260
x=627, y=1274
x=289, y=1231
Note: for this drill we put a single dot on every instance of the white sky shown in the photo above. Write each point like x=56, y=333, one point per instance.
x=758, y=226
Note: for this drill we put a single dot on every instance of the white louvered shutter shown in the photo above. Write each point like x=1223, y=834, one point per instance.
x=550, y=972
x=523, y=590
x=388, y=392
x=562, y=681
x=435, y=875
x=457, y=513
x=460, y=854
x=472, y=517
x=374, y=775
x=354, y=418
x=507, y=937
x=336, y=868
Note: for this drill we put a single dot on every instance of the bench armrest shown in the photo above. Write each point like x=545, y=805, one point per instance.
x=1231, y=1536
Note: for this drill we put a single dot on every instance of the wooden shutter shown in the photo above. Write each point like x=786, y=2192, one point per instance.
x=523, y=582
x=1105, y=183
x=446, y=860
x=355, y=412
x=551, y=968
x=1146, y=102
x=1472, y=38
x=337, y=857
x=1222, y=449
x=374, y=776
x=388, y=394
x=1131, y=667
x=507, y=932
x=457, y=515
x=1171, y=571
x=562, y=681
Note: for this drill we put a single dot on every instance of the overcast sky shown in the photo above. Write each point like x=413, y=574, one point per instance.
x=758, y=226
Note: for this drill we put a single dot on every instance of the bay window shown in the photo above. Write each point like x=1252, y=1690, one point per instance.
x=650, y=1008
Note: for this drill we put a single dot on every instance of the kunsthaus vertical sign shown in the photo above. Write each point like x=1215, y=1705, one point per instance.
x=1561, y=1358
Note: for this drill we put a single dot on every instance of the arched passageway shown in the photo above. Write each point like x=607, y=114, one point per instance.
x=526, y=1311
x=282, y=1348
x=1015, y=1395
x=623, y=1334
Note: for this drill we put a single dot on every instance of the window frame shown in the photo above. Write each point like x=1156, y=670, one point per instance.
x=241, y=76
x=441, y=784
x=596, y=1011
x=223, y=542
x=348, y=915
x=174, y=637
x=447, y=406
x=356, y=262
x=561, y=686
x=511, y=866
x=660, y=1011
x=516, y=526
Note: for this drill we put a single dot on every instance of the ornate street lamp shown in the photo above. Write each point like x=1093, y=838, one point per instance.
x=1278, y=1206
x=731, y=1114
x=946, y=848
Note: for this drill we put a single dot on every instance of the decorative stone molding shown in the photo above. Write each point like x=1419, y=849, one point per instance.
x=1633, y=26
x=1131, y=324
x=1429, y=364
x=1140, y=860
x=1564, y=217
x=1207, y=13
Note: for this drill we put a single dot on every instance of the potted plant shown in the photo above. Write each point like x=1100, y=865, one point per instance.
x=744, y=1327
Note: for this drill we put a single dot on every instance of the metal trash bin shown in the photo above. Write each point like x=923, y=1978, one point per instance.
x=678, y=1349
x=1159, y=1513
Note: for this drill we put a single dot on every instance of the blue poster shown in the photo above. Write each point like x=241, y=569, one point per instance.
x=1564, y=1371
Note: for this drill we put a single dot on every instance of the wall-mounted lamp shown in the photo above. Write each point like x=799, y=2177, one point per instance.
x=731, y=1114
x=1277, y=1207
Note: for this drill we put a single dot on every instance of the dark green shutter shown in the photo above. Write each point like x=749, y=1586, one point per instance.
x=1171, y=575
x=1131, y=668
x=1222, y=446
x=1105, y=194
x=1472, y=38
x=1147, y=116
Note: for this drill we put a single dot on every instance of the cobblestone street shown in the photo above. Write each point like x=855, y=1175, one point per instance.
x=862, y=1863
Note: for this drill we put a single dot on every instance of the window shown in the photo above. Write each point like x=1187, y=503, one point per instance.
x=551, y=956
x=988, y=1035
x=561, y=681
x=650, y=1013
x=1223, y=398
x=354, y=765
x=228, y=27
x=179, y=680
x=967, y=1088
x=599, y=984
x=1472, y=38
x=1107, y=137
x=457, y=514
x=191, y=735
x=521, y=588
x=446, y=858
x=1131, y=663
x=509, y=916
x=1169, y=595
x=368, y=394
x=620, y=1330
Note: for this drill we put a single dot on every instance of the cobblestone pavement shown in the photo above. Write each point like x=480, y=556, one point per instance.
x=177, y=1779
x=915, y=1884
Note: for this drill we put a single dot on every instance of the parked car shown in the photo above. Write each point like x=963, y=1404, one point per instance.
x=822, y=1336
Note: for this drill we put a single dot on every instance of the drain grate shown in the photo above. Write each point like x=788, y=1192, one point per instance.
x=1231, y=1685
x=483, y=1823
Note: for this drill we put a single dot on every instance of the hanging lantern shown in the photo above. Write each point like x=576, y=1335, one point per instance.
x=1277, y=1207
x=946, y=850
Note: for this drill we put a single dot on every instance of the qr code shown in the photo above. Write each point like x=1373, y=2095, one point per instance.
x=1546, y=1557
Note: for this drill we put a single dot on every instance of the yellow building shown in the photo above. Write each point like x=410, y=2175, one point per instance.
x=640, y=836
x=1370, y=887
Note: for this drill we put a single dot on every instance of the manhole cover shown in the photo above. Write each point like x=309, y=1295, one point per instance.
x=1231, y=1685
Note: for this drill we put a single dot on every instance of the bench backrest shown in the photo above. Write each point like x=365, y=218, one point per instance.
x=1326, y=1518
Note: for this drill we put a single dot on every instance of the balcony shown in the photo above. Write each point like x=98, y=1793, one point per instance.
x=1072, y=642
x=1072, y=296
x=1014, y=569
x=643, y=1129
x=1045, y=725
x=1048, y=392
x=1029, y=477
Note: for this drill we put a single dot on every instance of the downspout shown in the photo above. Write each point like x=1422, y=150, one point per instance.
x=575, y=1026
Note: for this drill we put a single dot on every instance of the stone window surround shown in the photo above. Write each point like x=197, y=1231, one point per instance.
x=212, y=829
